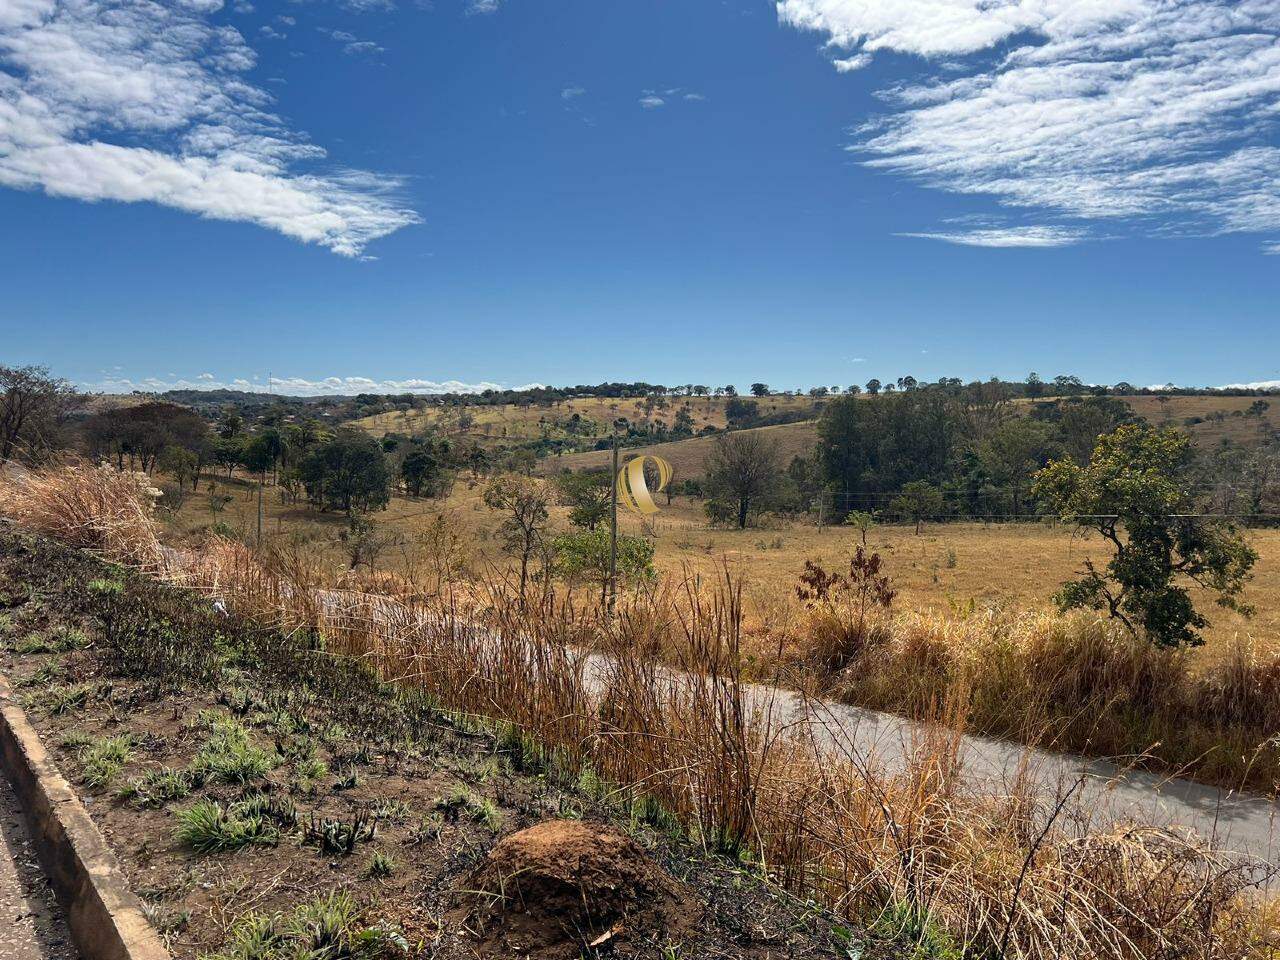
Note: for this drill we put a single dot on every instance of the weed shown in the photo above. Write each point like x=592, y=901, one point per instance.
x=229, y=755
x=380, y=866
x=910, y=928
x=207, y=828
x=156, y=788
x=340, y=835
x=103, y=759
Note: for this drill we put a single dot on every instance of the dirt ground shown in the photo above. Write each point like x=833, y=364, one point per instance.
x=356, y=814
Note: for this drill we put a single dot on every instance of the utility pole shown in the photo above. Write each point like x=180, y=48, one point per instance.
x=261, y=477
x=613, y=527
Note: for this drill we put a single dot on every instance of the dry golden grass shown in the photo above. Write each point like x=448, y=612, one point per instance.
x=1005, y=875
x=948, y=567
x=511, y=422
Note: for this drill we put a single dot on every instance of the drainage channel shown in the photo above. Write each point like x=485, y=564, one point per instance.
x=32, y=925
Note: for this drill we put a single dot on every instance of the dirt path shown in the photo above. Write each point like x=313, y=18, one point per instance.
x=31, y=922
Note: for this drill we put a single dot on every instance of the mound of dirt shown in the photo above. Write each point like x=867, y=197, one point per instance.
x=556, y=888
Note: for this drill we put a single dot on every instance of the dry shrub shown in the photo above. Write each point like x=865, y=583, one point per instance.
x=95, y=507
x=1017, y=875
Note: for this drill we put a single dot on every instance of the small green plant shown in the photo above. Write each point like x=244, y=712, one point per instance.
x=47, y=674
x=229, y=755
x=103, y=759
x=340, y=836
x=908, y=927
x=380, y=866
x=207, y=828
x=156, y=788
x=486, y=812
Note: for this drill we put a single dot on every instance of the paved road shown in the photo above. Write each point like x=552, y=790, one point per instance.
x=31, y=922
x=1241, y=823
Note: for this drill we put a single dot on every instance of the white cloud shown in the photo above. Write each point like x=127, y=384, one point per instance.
x=850, y=64
x=1256, y=385
x=694, y=97
x=1032, y=236
x=651, y=102
x=572, y=93
x=296, y=386
x=131, y=100
x=484, y=6
x=1160, y=112
x=363, y=48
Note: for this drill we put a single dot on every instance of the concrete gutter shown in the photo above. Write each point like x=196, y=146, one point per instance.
x=105, y=917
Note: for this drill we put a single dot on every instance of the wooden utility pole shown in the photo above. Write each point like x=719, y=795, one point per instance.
x=613, y=527
x=261, y=478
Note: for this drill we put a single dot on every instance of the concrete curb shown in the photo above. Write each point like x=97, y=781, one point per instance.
x=105, y=917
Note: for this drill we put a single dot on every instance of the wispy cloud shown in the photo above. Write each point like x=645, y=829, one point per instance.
x=295, y=386
x=572, y=93
x=134, y=101
x=484, y=6
x=1031, y=236
x=1158, y=112
x=652, y=101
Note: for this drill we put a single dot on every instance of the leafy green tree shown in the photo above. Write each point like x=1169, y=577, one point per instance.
x=421, y=471
x=1134, y=492
x=583, y=556
x=918, y=501
x=759, y=389
x=228, y=452
x=348, y=472
x=258, y=455
x=588, y=495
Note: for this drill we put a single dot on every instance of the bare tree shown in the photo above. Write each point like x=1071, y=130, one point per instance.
x=525, y=502
x=33, y=405
x=743, y=473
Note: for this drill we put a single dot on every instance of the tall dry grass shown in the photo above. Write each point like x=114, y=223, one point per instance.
x=1015, y=874
x=1076, y=683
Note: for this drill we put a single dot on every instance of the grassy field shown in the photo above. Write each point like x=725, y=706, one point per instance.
x=689, y=457
x=943, y=569
x=510, y=422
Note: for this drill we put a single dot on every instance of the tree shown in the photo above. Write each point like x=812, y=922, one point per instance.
x=1134, y=492
x=1035, y=386
x=759, y=389
x=743, y=473
x=33, y=405
x=348, y=472
x=258, y=455
x=873, y=386
x=228, y=452
x=525, y=502
x=363, y=541
x=740, y=413
x=420, y=470
x=918, y=501
x=588, y=495
x=583, y=556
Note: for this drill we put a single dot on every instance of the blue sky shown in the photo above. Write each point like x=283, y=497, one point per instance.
x=389, y=195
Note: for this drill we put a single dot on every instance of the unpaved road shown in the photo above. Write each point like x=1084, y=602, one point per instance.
x=32, y=926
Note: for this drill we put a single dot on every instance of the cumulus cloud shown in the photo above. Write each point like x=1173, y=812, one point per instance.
x=134, y=101
x=1158, y=112
x=296, y=386
x=1032, y=236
